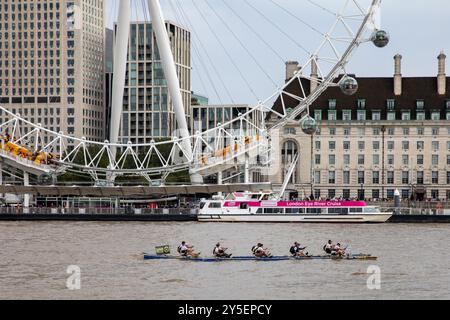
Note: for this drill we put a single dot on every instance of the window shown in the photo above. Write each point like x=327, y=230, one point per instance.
x=420, y=131
x=420, y=145
x=318, y=115
x=420, y=104
x=346, y=145
x=434, y=177
x=448, y=160
x=420, y=159
x=361, y=176
x=317, y=159
x=361, y=132
x=390, y=104
x=406, y=131
x=361, y=159
x=318, y=145
x=317, y=194
x=406, y=115
x=390, y=158
x=332, y=115
x=390, y=177
x=435, y=194
x=316, y=176
x=361, y=115
x=346, y=193
x=332, y=145
x=376, y=115
x=361, y=103
x=448, y=177
x=391, y=131
x=346, y=159
x=347, y=115
x=332, y=131
x=376, y=159
x=405, y=160
x=391, y=116
x=434, y=159
x=435, y=116
x=390, y=193
x=419, y=177
x=435, y=131
x=376, y=131
x=376, y=177
x=346, y=177
x=375, y=194
x=361, y=145
x=390, y=145
x=331, y=193
x=405, y=194
x=420, y=115
x=347, y=131
x=405, y=145
x=332, y=177
x=405, y=177
x=376, y=145
x=435, y=145
x=332, y=103
x=332, y=159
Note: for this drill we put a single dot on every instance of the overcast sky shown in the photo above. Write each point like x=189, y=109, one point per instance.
x=419, y=30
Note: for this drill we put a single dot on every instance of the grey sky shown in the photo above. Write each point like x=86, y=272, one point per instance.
x=419, y=30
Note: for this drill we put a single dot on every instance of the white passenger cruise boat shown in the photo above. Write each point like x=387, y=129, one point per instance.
x=258, y=207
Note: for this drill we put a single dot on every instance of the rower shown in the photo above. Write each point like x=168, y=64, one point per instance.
x=186, y=250
x=260, y=252
x=219, y=252
x=297, y=251
x=328, y=248
x=338, y=251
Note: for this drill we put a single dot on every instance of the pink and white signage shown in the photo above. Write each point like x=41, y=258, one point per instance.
x=295, y=204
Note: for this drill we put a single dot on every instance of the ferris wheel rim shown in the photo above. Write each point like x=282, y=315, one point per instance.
x=259, y=107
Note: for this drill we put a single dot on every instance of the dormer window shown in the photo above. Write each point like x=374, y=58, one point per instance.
x=332, y=104
x=447, y=104
x=390, y=104
x=420, y=104
x=361, y=103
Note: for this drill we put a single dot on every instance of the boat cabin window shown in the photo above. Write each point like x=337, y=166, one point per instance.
x=243, y=206
x=259, y=211
x=337, y=210
x=202, y=205
x=356, y=210
x=255, y=196
x=215, y=205
x=295, y=210
x=265, y=197
x=371, y=210
x=314, y=210
x=273, y=210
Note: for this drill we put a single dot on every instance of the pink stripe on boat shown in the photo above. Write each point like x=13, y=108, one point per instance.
x=293, y=204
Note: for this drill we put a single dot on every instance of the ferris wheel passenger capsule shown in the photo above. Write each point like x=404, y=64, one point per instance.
x=380, y=38
x=308, y=125
x=349, y=86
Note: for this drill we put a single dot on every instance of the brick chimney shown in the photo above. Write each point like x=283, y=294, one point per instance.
x=398, y=75
x=441, y=78
x=314, y=75
x=291, y=69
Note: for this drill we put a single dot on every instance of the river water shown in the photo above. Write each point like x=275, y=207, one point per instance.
x=34, y=257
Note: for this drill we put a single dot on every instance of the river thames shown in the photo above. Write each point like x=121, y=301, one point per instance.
x=34, y=258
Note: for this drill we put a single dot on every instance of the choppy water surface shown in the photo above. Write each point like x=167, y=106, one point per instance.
x=34, y=257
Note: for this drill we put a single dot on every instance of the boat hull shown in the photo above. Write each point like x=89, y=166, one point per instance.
x=251, y=258
x=354, y=218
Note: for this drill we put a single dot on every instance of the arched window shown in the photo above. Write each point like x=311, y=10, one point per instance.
x=289, y=150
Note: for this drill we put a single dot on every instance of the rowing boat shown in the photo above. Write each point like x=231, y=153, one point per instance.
x=252, y=258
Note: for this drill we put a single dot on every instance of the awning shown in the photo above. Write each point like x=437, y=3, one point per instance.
x=136, y=192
